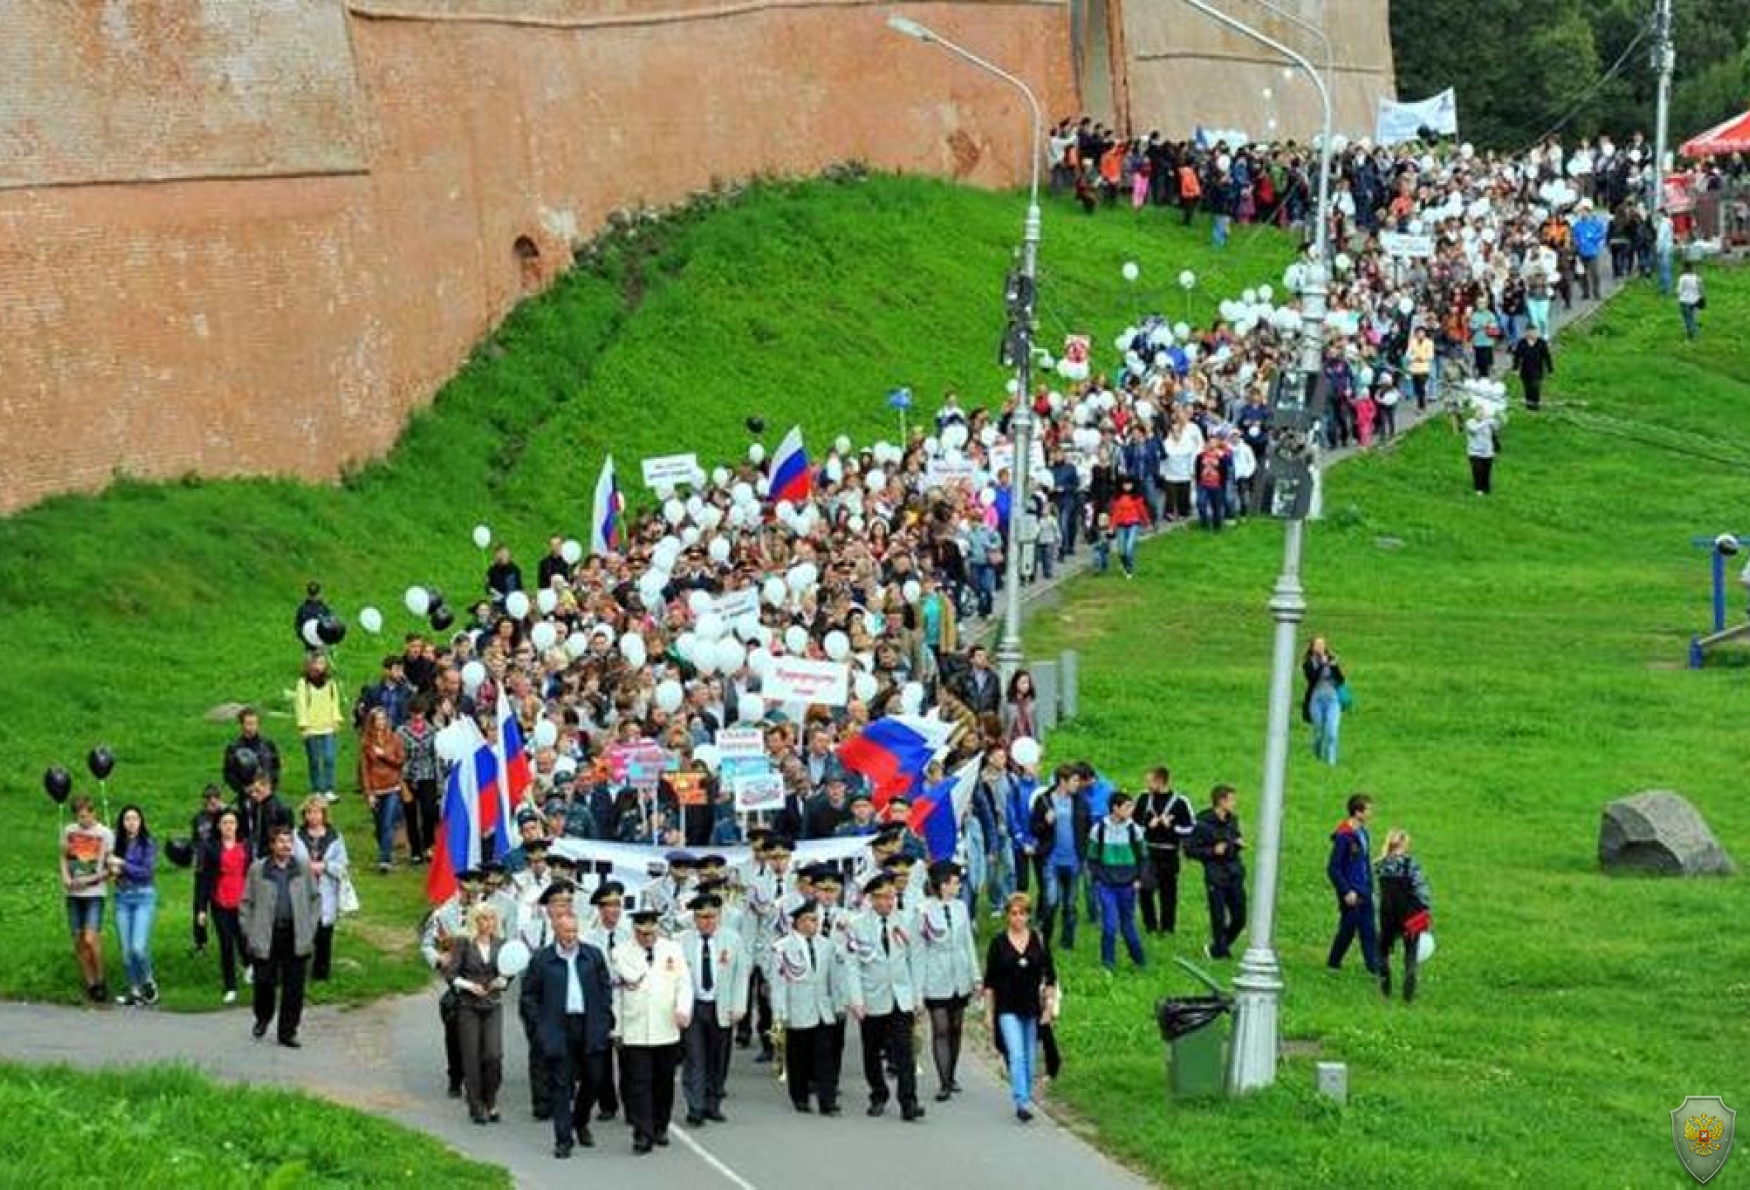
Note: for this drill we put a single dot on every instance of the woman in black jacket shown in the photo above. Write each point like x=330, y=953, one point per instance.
x=471, y=968
x=1321, y=705
x=1020, y=991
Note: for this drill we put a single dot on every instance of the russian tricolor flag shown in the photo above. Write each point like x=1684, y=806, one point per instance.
x=604, y=525
x=471, y=810
x=513, y=762
x=892, y=752
x=936, y=816
x=791, y=478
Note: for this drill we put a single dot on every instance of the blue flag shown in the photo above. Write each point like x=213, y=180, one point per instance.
x=899, y=398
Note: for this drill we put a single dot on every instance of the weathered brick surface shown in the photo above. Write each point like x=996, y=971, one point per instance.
x=288, y=324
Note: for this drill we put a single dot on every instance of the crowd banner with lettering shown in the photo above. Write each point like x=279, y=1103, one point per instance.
x=799, y=680
x=1406, y=245
x=733, y=605
x=1400, y=122
x=757, y=791
x=667, y=471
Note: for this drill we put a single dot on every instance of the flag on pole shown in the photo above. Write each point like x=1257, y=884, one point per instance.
x=604, y=525
x=790, y=478
x=893, y=752
x=457, y=847
x=512, y=757
x=936, y=816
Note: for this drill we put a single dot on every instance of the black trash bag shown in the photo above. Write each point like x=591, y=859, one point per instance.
x=1179, y=1015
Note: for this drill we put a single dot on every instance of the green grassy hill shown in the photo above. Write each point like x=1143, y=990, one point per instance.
x=132, y=613
x=1517, y=661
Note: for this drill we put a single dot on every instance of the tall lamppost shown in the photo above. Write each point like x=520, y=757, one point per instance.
x=1020, y=295
x=1293, y=458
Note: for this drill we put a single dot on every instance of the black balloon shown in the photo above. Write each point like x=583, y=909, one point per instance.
x=180, y=851
x=441, y=618
x=331, y=629
x=247, y=764
x=755, y=425
x=58, y=784
x=101, y=762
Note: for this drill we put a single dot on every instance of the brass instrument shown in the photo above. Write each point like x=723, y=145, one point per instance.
x=779, y=1050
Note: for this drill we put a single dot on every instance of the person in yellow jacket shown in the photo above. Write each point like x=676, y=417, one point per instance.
x=653, y=1002
x=317, y=702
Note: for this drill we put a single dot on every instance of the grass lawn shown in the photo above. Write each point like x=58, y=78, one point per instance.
x=169, y=1126
x=130, y=614
x=1517, y=662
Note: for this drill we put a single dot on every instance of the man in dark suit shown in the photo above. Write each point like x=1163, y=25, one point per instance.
x=567, y=995
x=980, y=687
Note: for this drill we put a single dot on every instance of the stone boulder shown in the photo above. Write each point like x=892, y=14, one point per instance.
x=1659, y=832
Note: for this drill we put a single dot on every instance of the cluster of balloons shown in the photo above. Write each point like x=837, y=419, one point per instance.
x=429, y=603
x=58, y=782
x=323, y=631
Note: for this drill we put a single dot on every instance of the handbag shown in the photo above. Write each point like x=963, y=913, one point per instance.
x=347, y=897
x=1345, y=697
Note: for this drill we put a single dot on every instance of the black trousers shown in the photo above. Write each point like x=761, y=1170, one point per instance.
x=422, y=817
x=1533, y=391
x=810, y=1067
x=322, y=960
x=540, y=1081
x=194, y=919
x=280, y=976
x=481, y=1032
x=575, y=1080
x=649, y=1072
x=887, y=1038
x=1227, y=916
x=1160, y=904
x=447, y=1009
x=707, y=1045
x=760, y=1016
x=1482, y=474
x=230, y=931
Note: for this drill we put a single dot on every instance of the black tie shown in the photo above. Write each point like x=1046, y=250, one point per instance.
x=811, y=954
x=650, y=956
x=705, y=958
x=886, y=942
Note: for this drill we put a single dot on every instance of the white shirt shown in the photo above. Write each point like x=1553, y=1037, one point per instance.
x=573, y=986
x=1689, y=289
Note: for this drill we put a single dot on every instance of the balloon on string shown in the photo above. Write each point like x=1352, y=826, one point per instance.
x=755, y=425
x=512, y=958
x=543, y=636
x=1026, y=751
x=718, y=550
x=750, y=709
x=58, y=784
x=756, y=454
x=576, y=645
x=547, y=600
x=331, y=629
x=633, y=650
x=674, y=512
x=101, y=761
x=473, y=676
x=731, y=656
x=690, y=536
x=1130, y=271
x=707, y=755
x=913, y=590
x=441, y=618
x=371, y=620
x=720, y=476
x=546, y=734
x=453, y=742
x=246, y=763
x=866, y=686
x=837, y=645
x=571, y=551
x=311, y=632
x=418, y=600
x=796, y=638
x=482, y=536
x=516, y=605
x=698, y=602
x=1187, y=279
x=711, y=626
x=669, y=696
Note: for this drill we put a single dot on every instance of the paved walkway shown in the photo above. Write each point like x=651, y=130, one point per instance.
x=387, y=1059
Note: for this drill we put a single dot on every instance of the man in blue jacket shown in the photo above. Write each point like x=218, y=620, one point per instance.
x=1351, y=874
x=1590, y=234
x=567, y=996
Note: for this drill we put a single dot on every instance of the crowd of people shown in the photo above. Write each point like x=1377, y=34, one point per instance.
x=884, y=561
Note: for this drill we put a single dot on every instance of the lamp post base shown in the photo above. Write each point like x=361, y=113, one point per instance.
x=1257, y=998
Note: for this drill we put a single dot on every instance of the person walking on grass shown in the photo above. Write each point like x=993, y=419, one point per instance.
x=86, y=845
x=1216, y=843
x=320, y=848
x=316, y=701
x=381, y=757
x=1482, y=443
x=279, y=913
x=1322, y=703
x=1533, y=362
x=1351, y=874
x=134, y=866
x=1691, y=299
x=1129, y=515
x=1117, y=856
x=1166, y=822
x=1404, y=903
x=219, y=880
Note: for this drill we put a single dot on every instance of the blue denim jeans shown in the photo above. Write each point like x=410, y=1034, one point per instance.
x=1327, y=722
x=1211, y=508
x=387, y=814
x=1127, y=547
x=1219, y=234
x=1691, y=327
x=1020, y=1042
x=1060, y=893
x=320, y=751
x=984, y=585
x=135, y=909
x=1118, y=916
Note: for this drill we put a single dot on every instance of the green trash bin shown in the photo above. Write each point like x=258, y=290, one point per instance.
x=1196, y=1037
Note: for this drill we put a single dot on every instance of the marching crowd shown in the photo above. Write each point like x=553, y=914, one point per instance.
x=878, y=559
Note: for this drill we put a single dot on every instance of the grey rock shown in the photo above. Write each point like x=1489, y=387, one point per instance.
x=1659, y=832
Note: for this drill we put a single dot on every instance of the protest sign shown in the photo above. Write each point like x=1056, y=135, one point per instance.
x=1405, y=244
x=667, y=471
x=732, y=605
x=799, y=680
x=761, y=791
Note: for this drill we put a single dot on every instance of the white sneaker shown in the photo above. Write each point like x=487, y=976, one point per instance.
x=331, y=797
x=248, y=974
x=230, y=998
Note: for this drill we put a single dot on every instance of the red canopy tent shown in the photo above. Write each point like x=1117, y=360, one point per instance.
x=1733, y=136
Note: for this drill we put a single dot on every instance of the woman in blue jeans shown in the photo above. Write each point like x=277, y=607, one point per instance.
x=134, y=866
x=1020, y=982
x=1322, y=705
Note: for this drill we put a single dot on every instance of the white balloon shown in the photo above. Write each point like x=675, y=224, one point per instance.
x=690, y=536
x=719, y=550
x=866, y=686
x=842, y=444
x=482, y=536
x=838, y=645
x=711, y=626
x=731, y=654
x=310, y=634
x=912, y=590
x=547, y=599
x=571, y=551
x=751, y=709
x=911, y=697
x=747, y=627
x=1250, y=297
x=545, y=734
x=473, y=676
x=674, y=512
x=576, y=645
x=698, y=602
x=796, y=638
x=418, y=600
x=742, y=493
x=543, y=636
x=687, y=644
x=774, y=592
x=516, y=605
x=756, y=454
x=1181, y=330
x=1266, y=293
x=669, y=696
x=1130, y=271
x=695, y=506
x=876, y=480
x=1187, y=279
x=633, y=650
x=1026, y=751
x=371, y=620
x=650, y=586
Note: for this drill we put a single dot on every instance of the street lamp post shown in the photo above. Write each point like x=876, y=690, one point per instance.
x=1022, y=304
x=1258, y=987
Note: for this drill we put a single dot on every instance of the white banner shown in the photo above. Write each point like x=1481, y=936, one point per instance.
x=636, y=865
x=799, y=680
x=732, y=605
x=741, y=743
x=1399, y=122
x=667, y=471
x=941, y=473
x=1405, y=245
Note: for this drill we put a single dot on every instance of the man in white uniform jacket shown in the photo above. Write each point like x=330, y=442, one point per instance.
x=808, y=1004
x=653, y=1002
x=721, y=971
x=883, y=959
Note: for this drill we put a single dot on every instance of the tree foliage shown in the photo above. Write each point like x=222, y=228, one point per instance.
x=1523, y=68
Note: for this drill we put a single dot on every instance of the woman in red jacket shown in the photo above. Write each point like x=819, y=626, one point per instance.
x=219, y=892
x=1129, y=515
